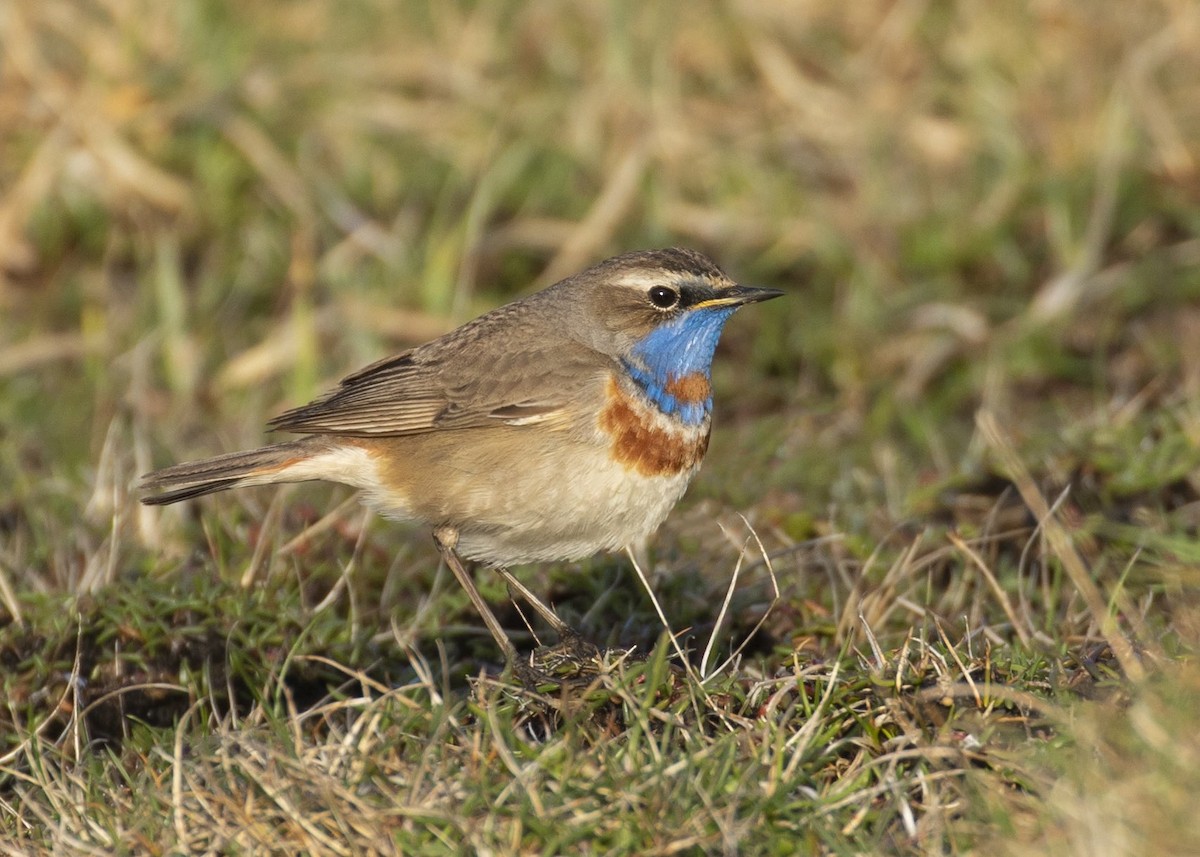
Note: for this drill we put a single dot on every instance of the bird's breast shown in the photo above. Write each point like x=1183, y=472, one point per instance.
x=645, y=439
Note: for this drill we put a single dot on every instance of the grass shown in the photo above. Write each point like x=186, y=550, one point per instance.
x=968, y=439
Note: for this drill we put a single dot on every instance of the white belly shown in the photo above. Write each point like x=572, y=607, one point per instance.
x=595, y=506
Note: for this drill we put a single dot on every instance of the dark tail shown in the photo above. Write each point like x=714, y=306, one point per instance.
x=195, y=478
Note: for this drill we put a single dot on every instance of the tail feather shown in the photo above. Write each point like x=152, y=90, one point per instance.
x=196, y=478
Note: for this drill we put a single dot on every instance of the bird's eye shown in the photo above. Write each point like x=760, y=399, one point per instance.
x=663, y=297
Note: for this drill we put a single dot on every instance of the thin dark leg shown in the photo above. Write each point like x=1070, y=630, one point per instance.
x=561, y=628
x=570, y=640
x=447, y=538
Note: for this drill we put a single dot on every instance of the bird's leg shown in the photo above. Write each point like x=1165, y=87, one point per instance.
x=447, y=538
x=561, y=628
x=570, y=639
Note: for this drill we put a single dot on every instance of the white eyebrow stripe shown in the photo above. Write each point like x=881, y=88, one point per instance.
x=642, y=280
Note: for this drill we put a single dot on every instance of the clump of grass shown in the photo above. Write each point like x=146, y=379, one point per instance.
x=207, y=212
x=881, y=750
x=83, y=670
x=1119, y=786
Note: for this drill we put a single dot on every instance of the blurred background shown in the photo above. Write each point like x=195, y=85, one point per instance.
x=210, y=211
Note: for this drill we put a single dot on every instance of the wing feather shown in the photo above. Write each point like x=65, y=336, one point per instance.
x=500, y=368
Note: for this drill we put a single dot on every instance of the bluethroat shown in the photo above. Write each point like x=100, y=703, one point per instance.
x=563, y=424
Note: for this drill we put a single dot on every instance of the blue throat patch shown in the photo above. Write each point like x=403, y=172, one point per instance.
x=683, y=346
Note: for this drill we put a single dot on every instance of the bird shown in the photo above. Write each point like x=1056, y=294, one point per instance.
x=560, y=425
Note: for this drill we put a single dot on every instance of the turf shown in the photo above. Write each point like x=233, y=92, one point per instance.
x=936, y=589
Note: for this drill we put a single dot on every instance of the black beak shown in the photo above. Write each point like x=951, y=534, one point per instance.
x=738, y=295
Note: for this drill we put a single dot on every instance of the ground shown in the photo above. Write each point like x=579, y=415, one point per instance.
x=936, y=589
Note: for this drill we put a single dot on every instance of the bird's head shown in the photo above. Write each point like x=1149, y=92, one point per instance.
x=661, y=312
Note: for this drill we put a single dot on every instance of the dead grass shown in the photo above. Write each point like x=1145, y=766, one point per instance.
x=968, y=442
x=639, y=757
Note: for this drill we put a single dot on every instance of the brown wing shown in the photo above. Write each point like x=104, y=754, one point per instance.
x=493, y=370
x=393, y=396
